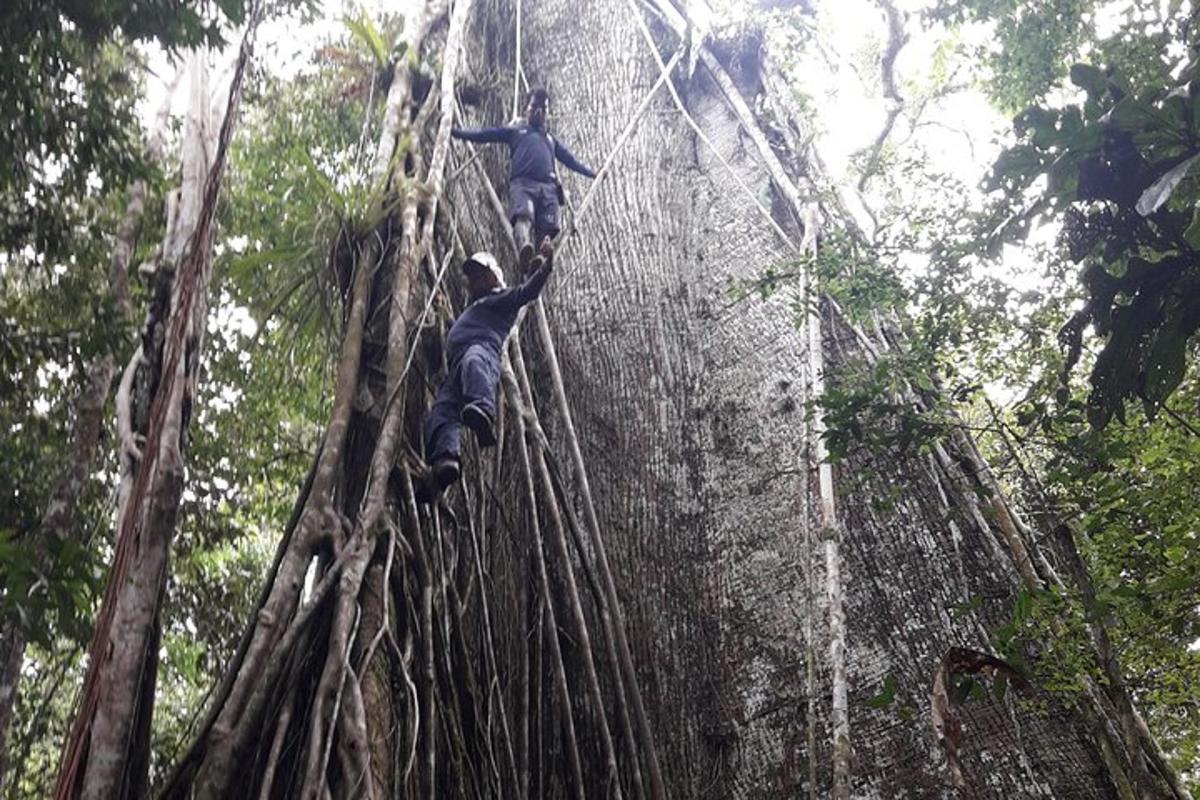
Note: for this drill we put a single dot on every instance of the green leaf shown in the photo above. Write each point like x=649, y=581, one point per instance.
x=1178, y=582
x=1022, y=161
x=1160, y=191
x=365, y=31
x=1043, y=124
x=1192, y=234
x=1134, y=116
x=965, y=608
x=1063, y=176
x=328, y=190
x=1024, y=606
x=1126, y=592
x=1004, y=635
x=1090, y=79
x=1165, y=364
x=1096, y=610
x=886, y=695
x=234, y=9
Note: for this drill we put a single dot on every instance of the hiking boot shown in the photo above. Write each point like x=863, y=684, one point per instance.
x=544, y=256
x=478, y=421
x=425, y=489
x=524, y=241
x=443, y=473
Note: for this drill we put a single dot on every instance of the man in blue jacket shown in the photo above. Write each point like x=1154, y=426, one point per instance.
x=534, y=193
x=474, y=345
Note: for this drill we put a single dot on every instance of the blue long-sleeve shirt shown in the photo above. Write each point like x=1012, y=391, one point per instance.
x=533, y=151
x=488, y=319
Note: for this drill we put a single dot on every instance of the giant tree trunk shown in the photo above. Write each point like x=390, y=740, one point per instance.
x=690, y=409
x=473, y=648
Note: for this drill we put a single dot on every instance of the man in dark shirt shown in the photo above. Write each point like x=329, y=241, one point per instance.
x=533, y=187
x=467, y=395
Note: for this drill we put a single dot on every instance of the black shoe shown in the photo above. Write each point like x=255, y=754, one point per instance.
x=478, y=420
x=545, y=255
x=443, y=473
x=425, y=489
x=521, y=235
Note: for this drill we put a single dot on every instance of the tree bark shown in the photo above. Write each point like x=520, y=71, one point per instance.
x=683, y=418
x=107, y=752
x=689, y=412
x=12, y=655
x=353, y=498
x=61, y=509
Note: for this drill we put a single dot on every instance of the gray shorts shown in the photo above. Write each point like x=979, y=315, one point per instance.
x=534, y=200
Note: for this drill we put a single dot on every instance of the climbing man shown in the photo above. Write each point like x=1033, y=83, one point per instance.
x=467, y=395
x=534, y=191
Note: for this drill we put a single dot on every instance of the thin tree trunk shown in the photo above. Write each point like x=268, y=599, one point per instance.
x=1106, y=654
x=839, y=715
x=517, y=401
x=89, y=409
x=12, y=656
x=106, y=752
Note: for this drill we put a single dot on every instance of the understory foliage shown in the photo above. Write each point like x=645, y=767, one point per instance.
x=70, y=77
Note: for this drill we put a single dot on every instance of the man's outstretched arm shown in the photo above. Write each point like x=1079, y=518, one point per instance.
x=532, y=286
x=483, y=135
x=567, y=157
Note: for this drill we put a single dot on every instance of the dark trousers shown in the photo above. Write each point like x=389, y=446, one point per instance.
x=536, y=201
x=471, y=379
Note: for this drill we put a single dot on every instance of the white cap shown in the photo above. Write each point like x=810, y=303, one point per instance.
x=485, y=259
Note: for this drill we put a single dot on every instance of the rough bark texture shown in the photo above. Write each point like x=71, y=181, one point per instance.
x=107, y=752
x=359, y=689
x=690, y=410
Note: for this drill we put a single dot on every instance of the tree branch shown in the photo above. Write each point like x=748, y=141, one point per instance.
x=887, y=68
